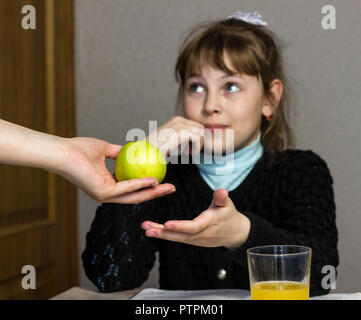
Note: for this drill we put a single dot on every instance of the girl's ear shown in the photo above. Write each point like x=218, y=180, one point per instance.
x=271, y=102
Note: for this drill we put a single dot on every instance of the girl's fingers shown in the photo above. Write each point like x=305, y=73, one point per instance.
x=170, y=139
x=193, y=123
x=220, y=198
x=168, y=235
x=176, y=131
x=190, y=226
x=195, y=140
x=150, y=224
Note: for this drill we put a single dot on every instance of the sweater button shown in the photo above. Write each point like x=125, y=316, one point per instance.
x=221, y=274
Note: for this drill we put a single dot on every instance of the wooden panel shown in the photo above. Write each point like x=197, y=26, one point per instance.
x=45, y=286
x=38, y=222
x=22, y=78
x=36, y=247
x=22, y=102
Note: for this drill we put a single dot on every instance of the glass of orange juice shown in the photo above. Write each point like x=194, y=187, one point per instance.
x=279, y=272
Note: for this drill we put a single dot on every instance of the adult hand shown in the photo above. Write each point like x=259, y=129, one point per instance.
x=80, y=160
x=85, y=167
x=220, y=225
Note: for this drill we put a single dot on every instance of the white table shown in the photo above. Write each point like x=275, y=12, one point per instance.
x=77, y=293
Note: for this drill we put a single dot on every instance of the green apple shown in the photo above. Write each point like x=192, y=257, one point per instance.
x=140, y=159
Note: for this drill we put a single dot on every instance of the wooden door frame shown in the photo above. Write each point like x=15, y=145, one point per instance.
x=61, y=119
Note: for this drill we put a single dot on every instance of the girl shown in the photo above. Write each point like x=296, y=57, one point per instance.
x=230, y=76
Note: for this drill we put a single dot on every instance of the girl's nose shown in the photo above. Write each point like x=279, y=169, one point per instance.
x=212, y=103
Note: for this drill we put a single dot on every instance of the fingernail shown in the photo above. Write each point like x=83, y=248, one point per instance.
x=154, y=184
x=152, y=234
x=170, y=191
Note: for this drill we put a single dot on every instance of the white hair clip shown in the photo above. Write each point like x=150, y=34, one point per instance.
x=251, y=17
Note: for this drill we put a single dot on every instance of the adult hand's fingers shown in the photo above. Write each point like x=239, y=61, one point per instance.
x=143, y=195
x=132, y=185
x=112, y=150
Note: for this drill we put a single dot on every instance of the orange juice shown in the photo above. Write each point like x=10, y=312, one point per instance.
x=279, y=290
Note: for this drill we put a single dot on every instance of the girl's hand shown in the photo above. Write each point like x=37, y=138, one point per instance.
x=176, y=131
x=85, y=167
x=220, y=225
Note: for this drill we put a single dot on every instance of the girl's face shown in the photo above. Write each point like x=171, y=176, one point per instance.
x=217, y=99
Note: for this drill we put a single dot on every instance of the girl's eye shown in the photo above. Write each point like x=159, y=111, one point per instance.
x=196, y=88
x=232, y=87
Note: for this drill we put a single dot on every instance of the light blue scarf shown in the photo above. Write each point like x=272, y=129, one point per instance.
x=228, y=171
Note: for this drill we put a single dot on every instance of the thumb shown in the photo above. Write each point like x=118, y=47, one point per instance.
x=112, y=150
x=220, y=198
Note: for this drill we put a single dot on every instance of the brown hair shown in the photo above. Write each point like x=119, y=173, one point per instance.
x=252, y=50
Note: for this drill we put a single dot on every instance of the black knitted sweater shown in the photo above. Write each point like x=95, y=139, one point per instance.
x=288, y=198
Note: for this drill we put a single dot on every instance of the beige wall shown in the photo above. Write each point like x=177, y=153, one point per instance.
x=125, y=54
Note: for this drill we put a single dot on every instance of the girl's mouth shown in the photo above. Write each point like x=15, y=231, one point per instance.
x=215, y=127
